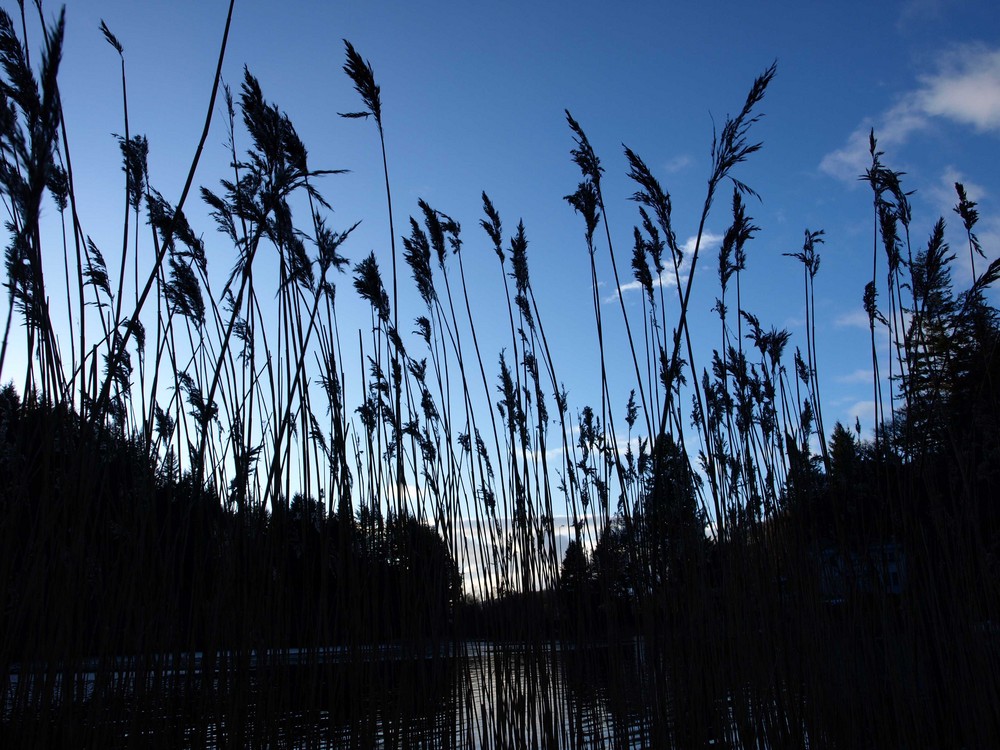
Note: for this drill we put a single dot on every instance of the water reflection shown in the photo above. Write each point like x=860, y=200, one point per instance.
x=608, y=695
x=473, y=696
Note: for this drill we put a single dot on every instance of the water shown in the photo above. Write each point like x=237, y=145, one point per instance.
x=475, y=696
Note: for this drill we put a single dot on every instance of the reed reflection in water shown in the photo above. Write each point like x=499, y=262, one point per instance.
x=477, y=696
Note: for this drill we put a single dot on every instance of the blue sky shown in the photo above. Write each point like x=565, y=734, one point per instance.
x=473, y=99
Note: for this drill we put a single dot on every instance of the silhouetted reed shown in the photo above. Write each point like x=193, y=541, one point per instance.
x=208, y=539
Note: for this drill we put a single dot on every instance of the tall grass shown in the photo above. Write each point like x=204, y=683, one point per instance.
x=205, y=543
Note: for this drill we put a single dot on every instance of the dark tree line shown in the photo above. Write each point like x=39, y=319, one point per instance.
x=140, y=560
x=923, y=489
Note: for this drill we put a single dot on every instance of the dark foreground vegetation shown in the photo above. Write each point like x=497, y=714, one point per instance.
x=203, y=543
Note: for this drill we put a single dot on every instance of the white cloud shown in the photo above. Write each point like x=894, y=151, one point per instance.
x=966, y=90
x=850, y=160
x=677, y=164
x=629, y=287
x=854, y=319
x=944, y=196
x=919, y=10
x=793, y=322
x=551, y=454
x=863, y=412
x=894, y=127
x=709, y=243
x=856, y=377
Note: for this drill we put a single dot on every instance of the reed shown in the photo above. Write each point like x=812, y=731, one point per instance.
x=205, y=542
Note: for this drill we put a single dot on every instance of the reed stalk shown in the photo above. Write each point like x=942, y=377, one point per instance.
x=228, y=518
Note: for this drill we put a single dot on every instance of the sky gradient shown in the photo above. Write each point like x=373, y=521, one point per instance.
x=473, y=100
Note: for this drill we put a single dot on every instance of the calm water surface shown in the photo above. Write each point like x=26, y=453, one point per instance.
x=479, y=696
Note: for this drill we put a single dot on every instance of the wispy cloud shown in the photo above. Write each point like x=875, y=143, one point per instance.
x=863, y=412
x=853, y=158
x=709, y=243
x=856, y=377
x=943, y=193
x=853, y=319
x=965, y=89
x=915, y=11
x=945, y=198
x=677, y=164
